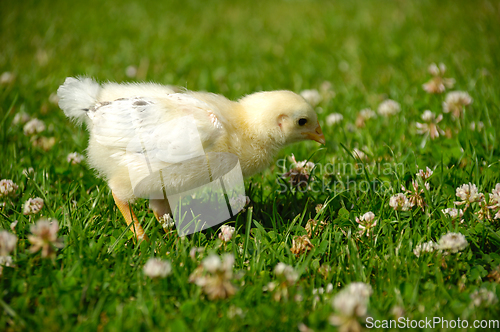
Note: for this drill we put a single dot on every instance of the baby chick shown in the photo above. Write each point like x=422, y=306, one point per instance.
x=253, y=128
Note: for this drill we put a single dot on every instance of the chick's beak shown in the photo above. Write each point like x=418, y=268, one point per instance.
x=316, y=135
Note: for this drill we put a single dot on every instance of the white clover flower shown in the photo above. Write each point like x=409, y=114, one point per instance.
x=483, y=297
x=234, y=311
x=495, y=194
x=212, y=263
x=367, y=217
x=306, y=165
x=434, y=69
x=321, y=290
x=468, y=193
x=452, y=242
x=363, y=115
x=280, y=268
x=46, y=143
x=360, y=289
x=53, y=98
x=157, y=268
x=33, y=206
x=334, y=118
x=214, y=275
x=301, y=245
x=455, y=102
x=228, y=263
x=226, y=233
x=6, y=77
x=438, y=83
x=329, y=288
x=74, y=158
x=314, y=225
x=44, y=237
x=131, y=71
x=324, y=270
x=167, y=222
x=442, y=68
x=21, y=118
x=7, y=243
x=237, y=203
x=318, y=291
x=430, y=126
x=366, y=222
x=194, y=251
x=425, y=175
x=360, y=154
x=389, y=107
x=7, y=188
x=219, y=265
x=299, y=174
x=457, y=98
x=287, y=272
x=494, y=202
x=400, y=202
x=271, y=286
x=429, y=246
x=428, y=116
x=312, y=96
x=397, y=311
x=286, y=277
x=476, y=126
x=367, y=113
x=415, y=195
x=13, y=225
x=496, y=190
x=28, y=171
x=434, y=86
x=327, y=91
x=453, y=212
x=350, y=304
x=34, y=126
x=5, y=261
x=326, y=86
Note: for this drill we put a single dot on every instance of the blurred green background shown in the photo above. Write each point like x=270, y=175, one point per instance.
x=237, y=47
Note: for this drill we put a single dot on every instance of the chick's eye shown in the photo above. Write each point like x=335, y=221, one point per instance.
x=302, y=122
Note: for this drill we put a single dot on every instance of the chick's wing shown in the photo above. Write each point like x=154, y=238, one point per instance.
x=172, y=121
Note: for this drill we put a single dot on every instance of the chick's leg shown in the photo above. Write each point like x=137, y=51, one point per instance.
x=130, y=218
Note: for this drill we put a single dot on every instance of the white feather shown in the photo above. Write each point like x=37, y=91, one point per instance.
x=77, y=96
x=113, y=91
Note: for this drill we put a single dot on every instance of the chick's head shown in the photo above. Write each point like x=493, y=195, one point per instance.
x=285, y=113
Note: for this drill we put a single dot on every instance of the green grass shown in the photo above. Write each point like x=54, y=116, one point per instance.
x=369, y=51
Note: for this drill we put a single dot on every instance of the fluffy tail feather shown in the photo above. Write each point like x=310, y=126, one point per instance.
x=76, y=96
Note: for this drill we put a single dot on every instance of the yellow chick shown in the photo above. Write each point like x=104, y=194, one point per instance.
x=126, y=120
